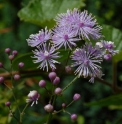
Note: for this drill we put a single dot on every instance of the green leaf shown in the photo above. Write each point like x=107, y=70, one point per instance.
x=64, y=54
x=112, y=100
x=28, y=62
x=114, y=35
x=118, y=57
x=43, y=12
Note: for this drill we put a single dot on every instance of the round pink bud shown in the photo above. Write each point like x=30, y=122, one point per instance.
x=8, y=50
x=63, y=105
x=14, y=52
x=52, y=76
x=1, y=64
x=1, y=79
x=42, y=83
x=56, y=81
x=73, y=117
x=68, y=69
x=48, y=108
x=16, y=77
x=11, y=57
x=21, y=65
x=7, y=104
x=58, y=91
x=107, y=57
x=76, y=96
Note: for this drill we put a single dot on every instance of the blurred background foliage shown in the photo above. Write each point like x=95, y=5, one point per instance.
x=19, y=19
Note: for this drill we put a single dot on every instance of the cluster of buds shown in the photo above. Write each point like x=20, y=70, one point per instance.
x=56, y=91
x=11, y=56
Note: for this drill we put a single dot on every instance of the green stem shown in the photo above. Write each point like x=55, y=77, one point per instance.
x=49, y=118
x=70, y=83
x=13, y=87
x=104, y=82
x=22, y=113
x=53, y=102
x=57, y=112
x=47, y=91
x=13, y=95
x=54, y=99
x=70, y=103
x=68, y=57
x=13, y=114
x=66, y=62
x=16, y=118
x=15, y=100
x=52, y=94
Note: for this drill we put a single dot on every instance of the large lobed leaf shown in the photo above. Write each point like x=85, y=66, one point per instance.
x=43, y=12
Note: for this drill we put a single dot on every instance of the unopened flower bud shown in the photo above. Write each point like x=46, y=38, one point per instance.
x=1, y=64
x=48, y=108
x=7, y=104
x=11, y=57
x=58, y=91
x=42, y=83
x=1, y=79
x=52, y=76
x=73, y=116
x=56, y=81
x=7, y=50
x=107, y=57
x=63, y=105
x=68, y=69
x=76, y=96
x=14, y=52
x=21, y=65
x=16, y=77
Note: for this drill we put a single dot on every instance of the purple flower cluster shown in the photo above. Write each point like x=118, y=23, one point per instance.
x=87, y=60
x=82, y=23
x=72, y=27
x=45, y=53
